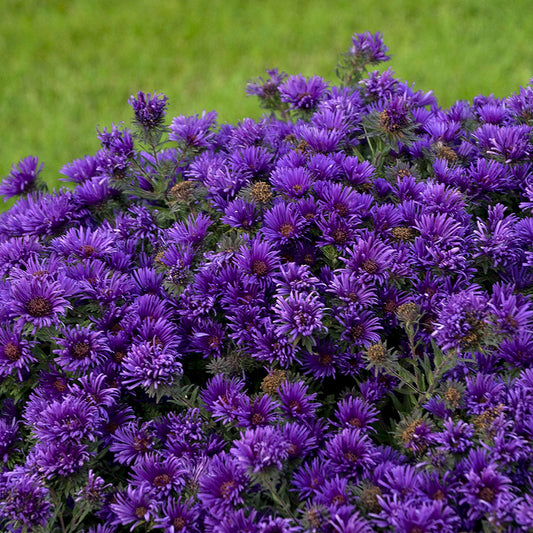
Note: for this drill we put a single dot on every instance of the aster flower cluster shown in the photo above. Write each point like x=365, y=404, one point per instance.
x=319, y=321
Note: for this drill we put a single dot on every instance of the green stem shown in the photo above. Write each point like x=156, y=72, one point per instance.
x=277, y=499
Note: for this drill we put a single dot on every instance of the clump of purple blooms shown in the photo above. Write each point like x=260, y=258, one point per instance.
x=319, y=321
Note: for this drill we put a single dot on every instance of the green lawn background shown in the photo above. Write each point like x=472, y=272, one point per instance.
x=69, y=66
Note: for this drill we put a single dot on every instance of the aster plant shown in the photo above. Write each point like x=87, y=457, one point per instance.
x=318, y=321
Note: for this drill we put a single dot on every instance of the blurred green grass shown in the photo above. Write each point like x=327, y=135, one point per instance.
x=69, y=66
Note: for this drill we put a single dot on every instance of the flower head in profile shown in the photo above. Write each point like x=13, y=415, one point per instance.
x=194, y=131
x=150, y=365
x=261, y=448
x=149, y=109
x=22, y=179
x=302, y=93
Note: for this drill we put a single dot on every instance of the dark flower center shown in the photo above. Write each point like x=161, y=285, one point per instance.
x=286, y=229
x=439, y=495
x=487, y=494
x=339, y=499
x=389, y=306
x=140, y=511
x=295, y=406
x=355, y=422
x=140, y=444
x=340, y=236
x=292, y=449
x=59, y=385
x=297, y=188
x=227, y=488
x=179, y=523
x=341, y=208
x=416, y=529
x=325, y=359
x=259, y=268
x=351, y=457
x=257, y=418
x=81, y=350
x=39, y=306
x=356, y=332
x=370, y=266
x=88, y=250
x=118, y=356
x=213, y=341
x=12, y=352
x=161, y=480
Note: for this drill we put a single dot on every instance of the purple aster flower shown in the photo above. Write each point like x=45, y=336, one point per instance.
x=524, y=512
x=282, y=223
x=134, y=506
x=368, y=48
x=179, y=517
x=15, y=353
x=337, y=231
x=370, y=258
x=81, y=348
x=150, y=365
x=353, y=412
x=221, y=486
x=259, y=412
x=309, y=477
x=223, y=397
x=93, y=491
x=132, y=441
x=208, y=337
x=300, y=438
x=240, y=214
x=517, y=351
x=258, y=260
x=70, y=419
x=347, y=287
x=333, y=493
x=483, y=392
x=483, y=488
x=47, y=214
x=39, y=302
x=9, y=436
x=360, y=328
x=505, y=143
x=296, y=403
x=59, y=459
x=190, y=233
x=293, y=182
x=294, y=277
x=149, y=109
x=267, y=90
x=231, y=521
x=462, y=320
x=269, y=344
x=80, y=170
x=193, y=131
x=322, y=361
x=22, y=179
x=302, y=93
x=85, y=243
x=261, y=449
x=158, y=474
x=344, y=201
x=455, y=437
x=512, y=312
x=23, y=500
x=300, y=315
x=350, y=453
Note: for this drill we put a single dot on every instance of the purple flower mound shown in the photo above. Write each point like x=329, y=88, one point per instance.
x=319, y=321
